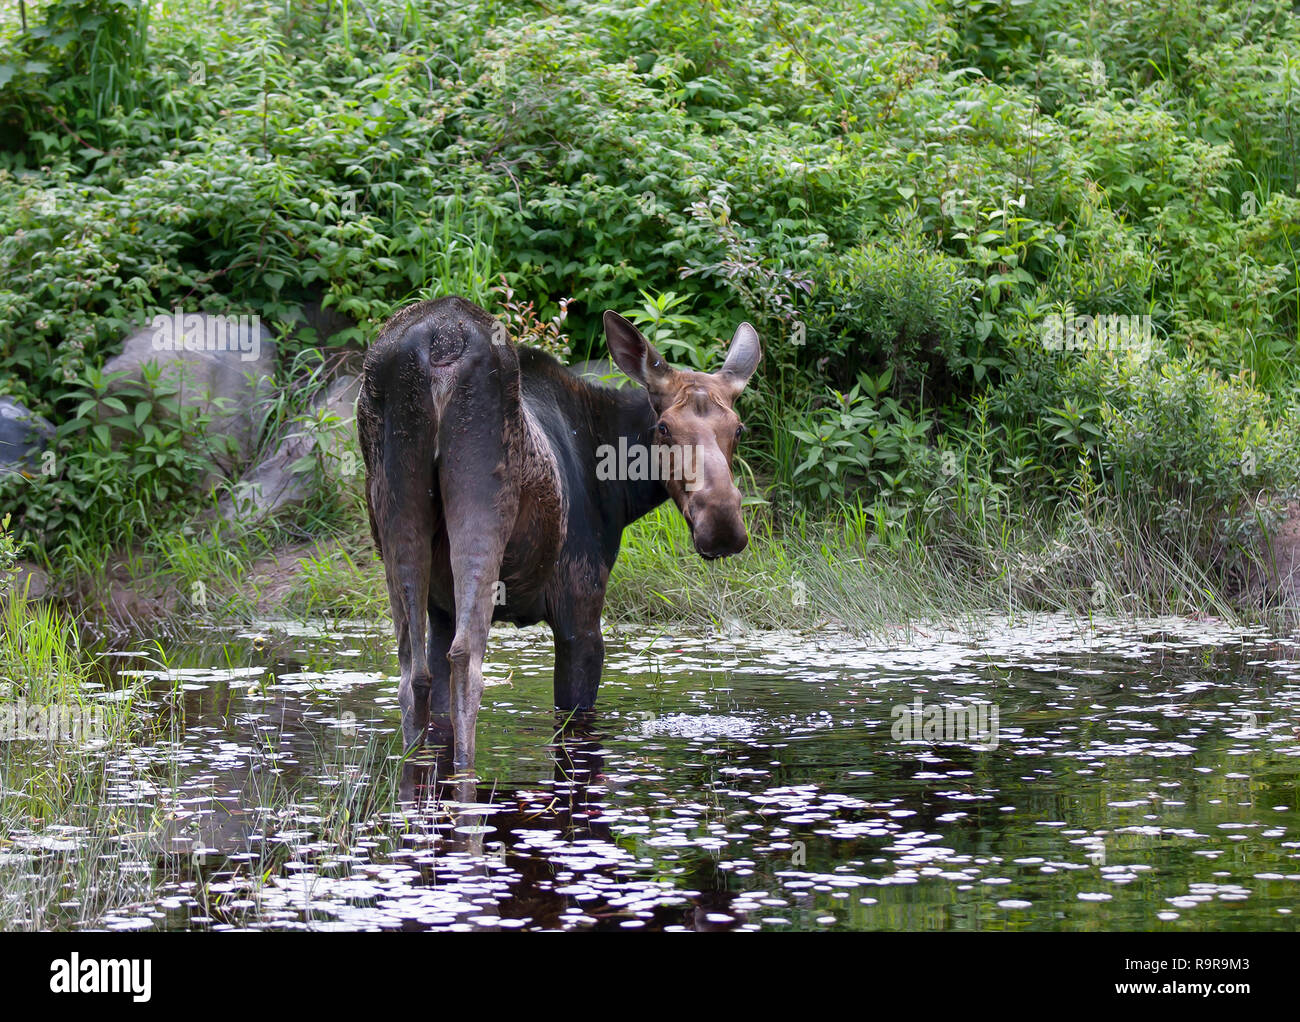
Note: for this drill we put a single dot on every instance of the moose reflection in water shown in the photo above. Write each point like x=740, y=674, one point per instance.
x=492, y=830
x=486, y=504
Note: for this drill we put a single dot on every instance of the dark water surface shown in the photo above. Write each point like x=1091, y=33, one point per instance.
x=1142, y=776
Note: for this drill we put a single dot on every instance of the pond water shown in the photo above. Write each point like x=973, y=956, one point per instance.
x=1112, y=775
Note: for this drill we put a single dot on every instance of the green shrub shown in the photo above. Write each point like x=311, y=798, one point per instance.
x=892, y=304
x=1193, y=446
x=861, y=437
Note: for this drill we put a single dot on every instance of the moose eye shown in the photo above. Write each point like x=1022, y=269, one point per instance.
x=663, y=429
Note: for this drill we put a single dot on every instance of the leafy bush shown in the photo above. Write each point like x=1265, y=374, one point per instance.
x=893, y=304
x=1193, y=446
x=861, y=436
x=8, y=556
x=85, y=60
x=125, y=465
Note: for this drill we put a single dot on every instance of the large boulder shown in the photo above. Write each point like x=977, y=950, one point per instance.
x=224, y=365
x=24, y=436
x=27, y=580
x=326, y=438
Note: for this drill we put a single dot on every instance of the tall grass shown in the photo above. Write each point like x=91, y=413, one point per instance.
x=457, y=256
x=65, y=855
x=335, y=584
x=871, y=570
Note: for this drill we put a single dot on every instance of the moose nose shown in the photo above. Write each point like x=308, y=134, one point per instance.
x=718, y=535
x=712, y=551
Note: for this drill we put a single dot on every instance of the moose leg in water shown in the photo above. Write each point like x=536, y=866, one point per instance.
x=480, y=513
x=442, y=630
x=579, y=646
x=399, y=478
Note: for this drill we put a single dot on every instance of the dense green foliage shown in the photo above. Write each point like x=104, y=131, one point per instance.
x=899, y=195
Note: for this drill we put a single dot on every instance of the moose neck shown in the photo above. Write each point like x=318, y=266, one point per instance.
x=627, y=414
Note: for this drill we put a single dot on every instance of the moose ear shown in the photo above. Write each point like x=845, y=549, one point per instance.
x=743, y=357
x=633, y=353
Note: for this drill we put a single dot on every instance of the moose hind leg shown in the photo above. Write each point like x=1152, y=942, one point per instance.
x=400, y=499
x=477, y=549
x=481, y=501
x=407, y=571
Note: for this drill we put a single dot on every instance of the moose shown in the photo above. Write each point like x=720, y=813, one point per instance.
x=490, y=496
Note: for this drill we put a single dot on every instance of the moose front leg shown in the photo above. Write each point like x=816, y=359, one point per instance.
x=579, y=658
x=442, y=631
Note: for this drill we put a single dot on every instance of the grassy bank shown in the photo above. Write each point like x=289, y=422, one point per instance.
x=868, y=569
x=64, y=856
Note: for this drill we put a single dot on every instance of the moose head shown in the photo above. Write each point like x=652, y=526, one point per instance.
x=696, y=430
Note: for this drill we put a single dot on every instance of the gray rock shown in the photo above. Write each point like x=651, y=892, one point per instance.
x=330, y=436
x=225, y=366
x=26, y=579
x=24, y=435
